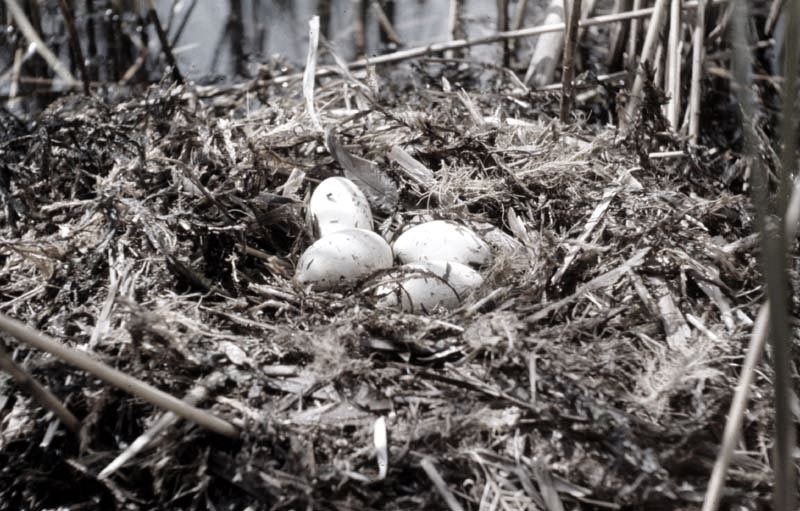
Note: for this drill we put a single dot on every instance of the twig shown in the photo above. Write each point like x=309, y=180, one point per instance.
x=549, y=47
x=196, y=395
x=698, y=55
x=310, y=72
x=618, y=75
x=667, y=154
x=40, y=393
x=75, y=43
x=633, y=40
x=502, y=26
x=730, y=436
x=454, y=27
x=386, y=23
x=434, y=48
x=162, y=37
x=758, y=339
x=648, y=51
x=673, y=108
x=183, y=23
x=16, y=68
x=124, y=381
x=603, y=280
x=617, y=36
x=568, y=70
x=440, y=485
x=516, y=23
x=776, y=269
x=32, y=37
x=774, y=12
x=533, y=377
x=380, y=439
x=773, y=249
x=519, y=14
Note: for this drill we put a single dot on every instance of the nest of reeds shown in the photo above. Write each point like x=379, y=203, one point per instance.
x=593, y=369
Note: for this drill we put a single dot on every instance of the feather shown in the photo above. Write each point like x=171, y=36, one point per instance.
x=378, y=187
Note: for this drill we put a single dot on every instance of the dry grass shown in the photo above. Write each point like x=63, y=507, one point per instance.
x=592, y=371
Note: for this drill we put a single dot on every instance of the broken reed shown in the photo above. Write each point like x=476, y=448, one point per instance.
x=771, y=224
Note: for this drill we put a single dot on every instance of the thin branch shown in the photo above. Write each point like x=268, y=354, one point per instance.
x=673, y=87
x=40, y=393
x=440, y=485
x=75, y=43
x=386, y=24
x=32, y=37
x=774, y=12
x=772, y=225
x=162, y=37
x=436, y=48
x=633, y=41
x=698, y=55
x=647, y=54
x=124, y=381
x=196, y=395
x=568, y=69
x=758, y=339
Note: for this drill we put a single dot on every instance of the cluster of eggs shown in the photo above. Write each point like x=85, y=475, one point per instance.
x=434, y=257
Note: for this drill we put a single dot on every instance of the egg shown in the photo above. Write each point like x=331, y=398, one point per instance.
x=421, y=287
x=441, y=240
x=342, y=258
x=336, y=204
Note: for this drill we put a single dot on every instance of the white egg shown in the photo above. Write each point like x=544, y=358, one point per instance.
x=420, y=287
x=442, y=240
x=342, y=258
x=336, y=204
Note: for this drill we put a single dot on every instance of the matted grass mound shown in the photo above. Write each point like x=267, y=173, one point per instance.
x=592, y=370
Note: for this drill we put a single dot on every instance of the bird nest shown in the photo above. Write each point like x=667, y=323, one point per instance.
x=593, y=368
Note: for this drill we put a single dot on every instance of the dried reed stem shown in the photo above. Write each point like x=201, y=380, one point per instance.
x=75, y=43
x=758, y=339
x=633, y=39
x=124, y=381
x=162, y=37
x=773, y=227
x=673, y=85
x=568, y=70
x=32, y=37
x=647, y=54
x=440, y=485
x=435, y=48
x=698, y=55
x=40, y=393
x=775, y=249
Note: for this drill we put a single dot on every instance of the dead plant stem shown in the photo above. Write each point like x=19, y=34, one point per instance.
x=673, y=74
x=32, y=37
x=39, y=392
x=162, y=37
x=570, y=45
x=75, y=43
x=435, y=48
x=772, y=225
x=698, y=55
x=647, y=54
x=124, y=381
